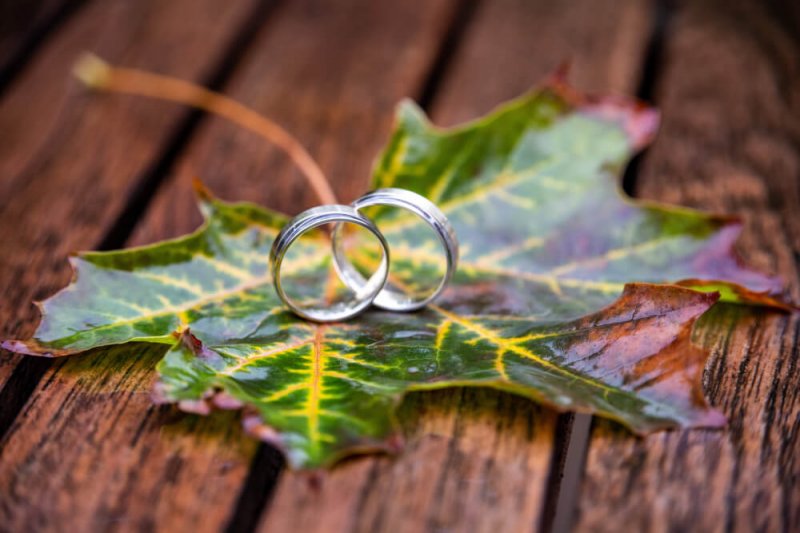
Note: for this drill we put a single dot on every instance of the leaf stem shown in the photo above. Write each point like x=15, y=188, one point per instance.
x=97, y=74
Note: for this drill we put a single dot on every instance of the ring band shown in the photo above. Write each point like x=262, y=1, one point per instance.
x=389, y=299
x=365, y=292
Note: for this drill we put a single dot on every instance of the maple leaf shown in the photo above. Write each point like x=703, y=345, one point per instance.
x=540, y=306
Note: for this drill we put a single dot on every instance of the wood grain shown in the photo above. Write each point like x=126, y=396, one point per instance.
x=71, y=159
x=79, y=457
x=513, y=45
x=90, y=452
x=474, y=460
x=126, y=464
x=730, y=95
x=331, y=75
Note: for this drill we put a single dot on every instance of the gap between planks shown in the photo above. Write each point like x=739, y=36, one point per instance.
x=728, y=144
x=30, y=370
x=493, y=73
x=60, y=378
x=218, y=47
x=263, y=476
x=446, y=66
x=578, y=444
x=43, y=19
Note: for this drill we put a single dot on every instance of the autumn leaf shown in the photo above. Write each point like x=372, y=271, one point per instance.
x=541, y=305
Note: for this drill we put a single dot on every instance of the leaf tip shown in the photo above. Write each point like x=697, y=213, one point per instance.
x=203, y=193
x=8, y=345
x=255, y=426
x=410, y=116
x=642, y=125
x=159, y=395
x=659, y=298
x=189, y=341
x=27, y=348
x=92, y=71
x=205, y=197
x=226, y=402
x=197, y=407
x=560, y=75
x=639, y=121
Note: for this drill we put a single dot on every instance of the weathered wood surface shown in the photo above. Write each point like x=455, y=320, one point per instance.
x=475, y=460
x=73, y=161
x=729, y=90
x=346, y=130
x=89, y=452
x=164, y=479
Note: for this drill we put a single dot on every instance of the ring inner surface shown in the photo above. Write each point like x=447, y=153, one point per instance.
x=419, y=261
x=310, y=284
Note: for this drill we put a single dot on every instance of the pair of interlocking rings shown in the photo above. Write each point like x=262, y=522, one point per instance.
x=365, y=291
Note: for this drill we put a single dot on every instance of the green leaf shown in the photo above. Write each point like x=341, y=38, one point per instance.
x=539, y=306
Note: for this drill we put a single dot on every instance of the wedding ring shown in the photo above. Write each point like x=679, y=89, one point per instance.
x=364, y=293
x=389, y=299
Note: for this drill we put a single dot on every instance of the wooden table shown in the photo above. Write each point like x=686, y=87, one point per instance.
x=83, y=448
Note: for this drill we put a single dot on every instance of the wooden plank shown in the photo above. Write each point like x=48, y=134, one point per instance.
x=514, y=44
x=728, y=91
x=331, y=75
x=475, y=460
x=71, y=160
x=89, y=451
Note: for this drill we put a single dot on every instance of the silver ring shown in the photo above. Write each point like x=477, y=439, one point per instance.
x=365, y=292
x=389, y=299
